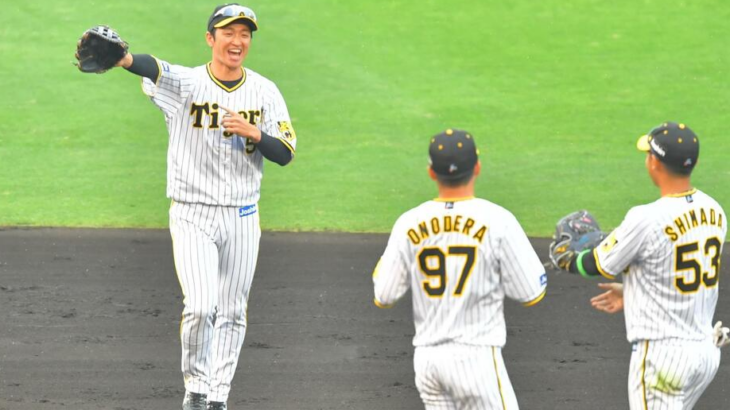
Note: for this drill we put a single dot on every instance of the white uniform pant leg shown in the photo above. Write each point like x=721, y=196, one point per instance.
x=196, y=263
x=463, y=377
x=670, y=375
x=238, y=256
x=428, y=382
x=706, y=370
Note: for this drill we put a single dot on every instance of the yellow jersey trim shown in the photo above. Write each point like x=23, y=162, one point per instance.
x=499, y=382
x=381, y=305
x=219, y=84
x=286, y=144
x=159, y=70
x=375, y=271
x=535, y=301
x=466, y=198
x=600, y=269
x=682, y=194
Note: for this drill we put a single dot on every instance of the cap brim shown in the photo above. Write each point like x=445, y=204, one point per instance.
x=230, y=20
x=643, y=144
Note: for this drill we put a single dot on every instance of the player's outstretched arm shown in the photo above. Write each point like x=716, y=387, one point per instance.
x=126, y=61
x=612, y=300
x=144, y=65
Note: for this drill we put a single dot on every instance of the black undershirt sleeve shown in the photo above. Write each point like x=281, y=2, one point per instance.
x=144, y=65
x=274, y=150
x=588, y=260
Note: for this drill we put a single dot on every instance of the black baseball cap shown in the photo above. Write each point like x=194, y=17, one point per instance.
x=453, y=154
x=674, y=144
x=226, y=14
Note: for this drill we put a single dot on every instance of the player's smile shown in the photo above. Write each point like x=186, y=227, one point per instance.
x=230, y=45
x=235, y=54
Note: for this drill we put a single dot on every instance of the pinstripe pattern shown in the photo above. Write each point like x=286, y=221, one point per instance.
x=463, y=377
x=458, y=307
x=505, y=265
x=215, y=253
x=654, y=307
x=214, y=181
x=671, y=374
x=668, y=306
x=203, y=165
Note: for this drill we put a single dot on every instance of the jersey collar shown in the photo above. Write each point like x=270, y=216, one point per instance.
x=221, y=85
x=682, y=194
x=466, y=198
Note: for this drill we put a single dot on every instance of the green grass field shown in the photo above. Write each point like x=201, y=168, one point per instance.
x=556, y=93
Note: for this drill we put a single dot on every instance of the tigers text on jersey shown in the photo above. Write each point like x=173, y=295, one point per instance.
x=205, y=164
x=672, y=248
x=460, y=259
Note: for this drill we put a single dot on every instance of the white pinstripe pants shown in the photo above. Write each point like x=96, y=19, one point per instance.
x=215, y=250
x=671, y=374
x=451, y=377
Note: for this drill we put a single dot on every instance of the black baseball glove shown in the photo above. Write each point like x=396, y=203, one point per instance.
x=573, y=234
x=99, y=49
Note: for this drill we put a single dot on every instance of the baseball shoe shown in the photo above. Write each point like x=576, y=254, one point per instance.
x=217, y=405
x=194, y=401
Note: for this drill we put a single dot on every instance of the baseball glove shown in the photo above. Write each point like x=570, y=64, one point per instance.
x=99, y=49
x=573, y=234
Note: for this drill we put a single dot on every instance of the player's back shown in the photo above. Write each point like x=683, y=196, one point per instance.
x=672, y=282
x=462, y=258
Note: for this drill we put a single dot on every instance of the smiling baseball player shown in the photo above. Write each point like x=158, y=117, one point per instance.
x=669, y=253
x=460, y=256
x=223, y=120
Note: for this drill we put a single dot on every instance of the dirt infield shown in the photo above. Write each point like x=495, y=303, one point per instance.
x=90, y=320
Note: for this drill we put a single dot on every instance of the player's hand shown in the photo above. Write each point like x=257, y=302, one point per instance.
x=612, y=300
x=721, y=335
x=234, y=122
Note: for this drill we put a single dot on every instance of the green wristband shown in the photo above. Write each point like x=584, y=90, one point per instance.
x=579, y=261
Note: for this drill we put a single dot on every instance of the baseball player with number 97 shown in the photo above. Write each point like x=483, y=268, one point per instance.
x=460, y=256
x=223, y=120
x=669, y=254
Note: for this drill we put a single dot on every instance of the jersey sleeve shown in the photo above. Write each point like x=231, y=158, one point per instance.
x=171, y=88
x=523, y=275
x=390, y=276
x=622, y=246
x=276, y=119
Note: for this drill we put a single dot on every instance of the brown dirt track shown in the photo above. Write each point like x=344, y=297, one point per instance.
x=90, y=321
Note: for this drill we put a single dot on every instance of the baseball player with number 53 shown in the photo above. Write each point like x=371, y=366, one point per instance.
x=669, y=254
x=222, y=120
x=460, y=256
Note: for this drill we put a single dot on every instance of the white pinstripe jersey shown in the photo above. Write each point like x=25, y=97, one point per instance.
x=460, y=259
x=204, y=165
x=672, y=248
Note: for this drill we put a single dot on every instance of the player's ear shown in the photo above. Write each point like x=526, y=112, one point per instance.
x=650, y=162
x=209, y=38
x=658, y=165
x=431, y=173
x=477, y=168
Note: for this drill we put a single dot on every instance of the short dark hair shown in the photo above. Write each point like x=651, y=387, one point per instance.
x=451, y=182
